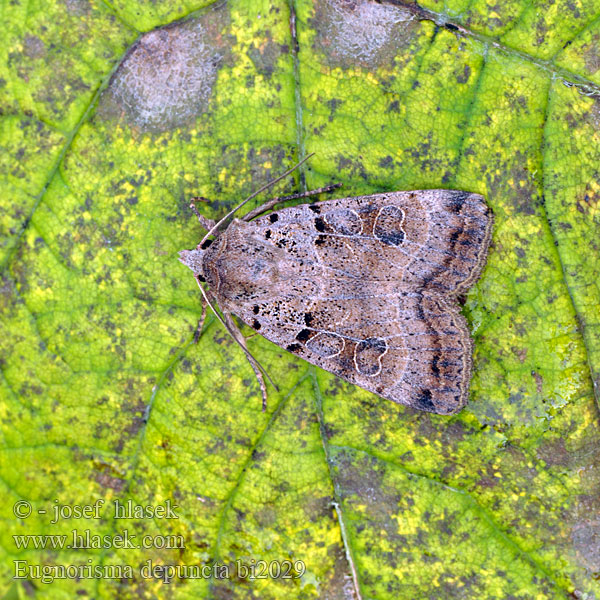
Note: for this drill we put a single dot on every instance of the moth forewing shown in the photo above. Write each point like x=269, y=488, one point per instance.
x=364, y=287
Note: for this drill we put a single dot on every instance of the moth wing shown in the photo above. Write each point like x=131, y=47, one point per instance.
x=411, y=348
x=431, y=238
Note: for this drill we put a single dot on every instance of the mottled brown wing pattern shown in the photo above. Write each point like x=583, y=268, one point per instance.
x=364, y=287
x=434, y=238
x=416, y=351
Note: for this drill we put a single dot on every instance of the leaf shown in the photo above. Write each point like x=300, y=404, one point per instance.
x=107, y=133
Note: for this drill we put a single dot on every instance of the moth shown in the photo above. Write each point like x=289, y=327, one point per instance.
x=364, y=287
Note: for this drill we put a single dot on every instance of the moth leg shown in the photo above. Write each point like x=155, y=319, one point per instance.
x=259, y=210
x=238, y=337
x=205, y=223
x=200, y=325
x=241, y=340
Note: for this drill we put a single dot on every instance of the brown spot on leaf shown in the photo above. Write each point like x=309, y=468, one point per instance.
x=34, y=47
x=167, y=77
x=539, y=382
x=586, y=541
x=107, y=476
x=265, y=56
x=589, y=201
x=463, y=77
x=361, y=33
x=591, y=55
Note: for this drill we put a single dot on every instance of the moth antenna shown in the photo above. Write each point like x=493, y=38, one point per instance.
x=253, y=195
x=200, y=325
x=204, y=222
x=253, y=361
x=236, y=333
x=259, y=210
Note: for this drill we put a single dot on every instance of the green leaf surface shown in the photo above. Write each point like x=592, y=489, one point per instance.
x=106, y=132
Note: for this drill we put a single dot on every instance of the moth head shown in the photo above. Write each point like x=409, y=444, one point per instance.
x=194, y=259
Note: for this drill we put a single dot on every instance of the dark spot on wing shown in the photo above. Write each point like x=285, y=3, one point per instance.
x=420, y=312
x=308, y=318
x=320, y=224
x=392, y=238
x=316, y=209
x=303, y=335
x=388, y=226
x=206, y=244
x=367, y=356
x=274, y=218
x=294, y=348
x=457, y=200
x=255, y=325
x=423, y=401
x=434, y=365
